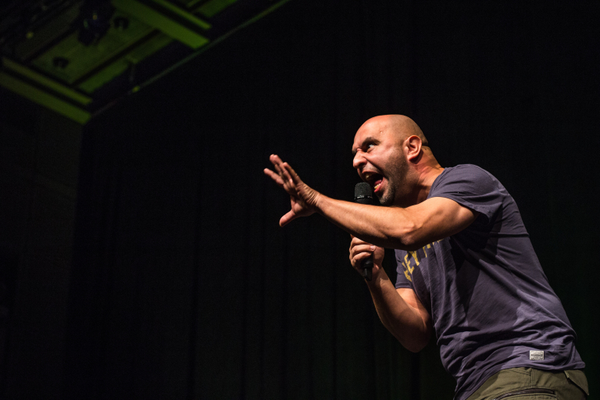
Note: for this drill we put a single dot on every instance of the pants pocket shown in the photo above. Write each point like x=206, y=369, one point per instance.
x=533, y=393
x=578, y=378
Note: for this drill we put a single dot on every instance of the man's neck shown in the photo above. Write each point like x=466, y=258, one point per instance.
x=426, y=176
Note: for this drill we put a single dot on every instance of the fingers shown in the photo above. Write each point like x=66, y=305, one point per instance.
x=357, y=258
x=287, y=218
x=278, y=164
x=276, y=178
x=356, y=242
x=359, y=250
x=284, y=175
x=290, y=173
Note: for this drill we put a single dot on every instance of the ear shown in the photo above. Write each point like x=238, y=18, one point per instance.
x=412, y=147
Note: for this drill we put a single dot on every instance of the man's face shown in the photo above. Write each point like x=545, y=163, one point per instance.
x=380, y=161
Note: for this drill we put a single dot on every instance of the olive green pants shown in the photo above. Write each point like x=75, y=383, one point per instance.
x=533, y=384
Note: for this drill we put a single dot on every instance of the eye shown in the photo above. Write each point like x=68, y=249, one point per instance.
x=369, y=146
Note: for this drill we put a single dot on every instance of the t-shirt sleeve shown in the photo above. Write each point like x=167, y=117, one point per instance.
x=402, y=281
x=471, y=187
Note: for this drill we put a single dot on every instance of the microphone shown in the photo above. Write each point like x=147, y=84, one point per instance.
x=364, y=195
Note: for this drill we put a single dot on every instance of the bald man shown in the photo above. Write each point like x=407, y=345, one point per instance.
x=466, y=269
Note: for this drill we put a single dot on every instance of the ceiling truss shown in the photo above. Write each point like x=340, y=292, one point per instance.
x=77, y=57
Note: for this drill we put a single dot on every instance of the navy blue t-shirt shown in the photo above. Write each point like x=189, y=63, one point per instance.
x=490, y=302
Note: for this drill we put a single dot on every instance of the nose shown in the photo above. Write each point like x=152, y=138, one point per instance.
x=359, y=160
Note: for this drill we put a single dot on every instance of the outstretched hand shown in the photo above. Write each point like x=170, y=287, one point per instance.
x=303, y=199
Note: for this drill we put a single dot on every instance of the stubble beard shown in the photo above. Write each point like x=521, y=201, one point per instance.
x=396, y=180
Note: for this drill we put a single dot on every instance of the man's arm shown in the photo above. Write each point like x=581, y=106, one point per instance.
x=392, y=227
x=403, y=315
x=398, y=228
x=399, y=310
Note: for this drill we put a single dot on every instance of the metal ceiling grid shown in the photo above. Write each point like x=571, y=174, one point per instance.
x=77, y=57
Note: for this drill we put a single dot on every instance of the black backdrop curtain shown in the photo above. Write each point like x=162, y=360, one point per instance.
x=184, y=286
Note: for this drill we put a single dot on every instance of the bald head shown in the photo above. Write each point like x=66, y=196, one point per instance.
x=401, y=126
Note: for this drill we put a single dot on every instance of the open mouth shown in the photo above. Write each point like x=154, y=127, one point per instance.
x=373, y=179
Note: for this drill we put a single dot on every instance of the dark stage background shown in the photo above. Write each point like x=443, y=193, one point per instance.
x=183, y=286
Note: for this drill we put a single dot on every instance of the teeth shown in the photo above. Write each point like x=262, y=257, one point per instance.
x=373, y=178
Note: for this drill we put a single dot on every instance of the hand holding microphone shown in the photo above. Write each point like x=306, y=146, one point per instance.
x=364, y=195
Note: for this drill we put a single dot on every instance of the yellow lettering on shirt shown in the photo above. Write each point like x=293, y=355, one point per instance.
x=414, y=256
x=406, y=263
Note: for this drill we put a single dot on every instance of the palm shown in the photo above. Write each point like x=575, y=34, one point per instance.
x=302, y=197
x=299, y=208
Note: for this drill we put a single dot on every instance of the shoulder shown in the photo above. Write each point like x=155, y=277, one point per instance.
x=466, y=171
x=470, y=186
x=466, y=178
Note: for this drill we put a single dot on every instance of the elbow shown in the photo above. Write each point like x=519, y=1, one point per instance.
x=414, y=346
x=415, y=341
x=407, y=238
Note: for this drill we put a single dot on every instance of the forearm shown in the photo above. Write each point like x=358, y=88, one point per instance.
x=410, y=324
x=396, y=227
x=389, y=227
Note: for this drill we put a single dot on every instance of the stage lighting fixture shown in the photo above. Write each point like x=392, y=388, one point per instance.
x=94, y=21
